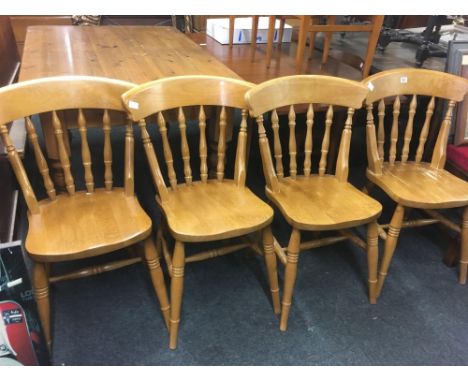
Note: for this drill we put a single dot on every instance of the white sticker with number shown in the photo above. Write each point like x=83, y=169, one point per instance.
x=133, y=105
x=370, y=85
x=404, y=80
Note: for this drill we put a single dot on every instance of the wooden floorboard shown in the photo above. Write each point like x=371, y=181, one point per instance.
x=343, y=62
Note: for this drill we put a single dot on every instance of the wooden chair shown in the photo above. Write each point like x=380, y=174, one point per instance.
x=313, y=202
x=307, y=25
x=77, y=224
x=205, y=209
x=413, y=182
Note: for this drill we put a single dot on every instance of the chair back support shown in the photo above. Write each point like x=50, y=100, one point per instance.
x=161, y=96
x=25, y=99
x=313, y=91
x=413, y=83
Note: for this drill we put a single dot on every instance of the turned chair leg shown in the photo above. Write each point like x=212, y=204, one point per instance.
x=290, y=276
x=270, y=261
x=390, y=244
x=372, y=259
x=157, y=277
x=464, y=248
x=177, y=286
x=310, y=54
x=41, y=294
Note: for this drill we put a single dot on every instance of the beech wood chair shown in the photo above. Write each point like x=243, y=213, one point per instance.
x=205, y=209
x=77, y=224
x=413, y=181
x=313, y=202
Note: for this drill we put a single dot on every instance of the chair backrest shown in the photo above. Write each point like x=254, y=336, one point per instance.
x=176, y=93
x=53, y=94
x=313, y=91
x=413, y=83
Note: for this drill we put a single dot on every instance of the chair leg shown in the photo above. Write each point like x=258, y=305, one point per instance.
x=301, y=42
x=377, y=22
x=253, y=42
x=290, y=276
x=310, y=54
x=157, y=277
x=270, y=261
x=177, y=286
x=372, y=259
x=331, y=20
x=390, y=244
x=41, y=294
x=464, y=248
x=232, y=21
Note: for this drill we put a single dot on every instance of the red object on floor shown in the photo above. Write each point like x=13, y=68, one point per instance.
x=458, y=156
x=16, y=337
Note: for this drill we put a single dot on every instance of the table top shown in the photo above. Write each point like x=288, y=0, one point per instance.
x=132, y=53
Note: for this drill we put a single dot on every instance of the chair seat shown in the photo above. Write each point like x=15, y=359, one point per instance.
x=419, y=185
x=323, y=203
x=85, y=225
x=213, y=211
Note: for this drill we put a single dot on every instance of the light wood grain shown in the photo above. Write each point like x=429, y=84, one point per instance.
x=290, y=276
x=305, y=89
x=85, y=153
x=313, y=202
x=419, y=185
x=91, y=224
x=131, y=53
x=414, y=184
x=40, y=159
x=390, y=83
x=425, y=129
x=330, y=203
x=208, y=209
x=292, y=142
x=171, y=93
x=77, y=224
x=60, y=93
x=308, y=140
x=212, y=211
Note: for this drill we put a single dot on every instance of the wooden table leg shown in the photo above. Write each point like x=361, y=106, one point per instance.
x=270, y=38
x=377, y=22
x=281, y=31
x=305, y=22
x=331, y=20
x=232, y=21
x=253, y=40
